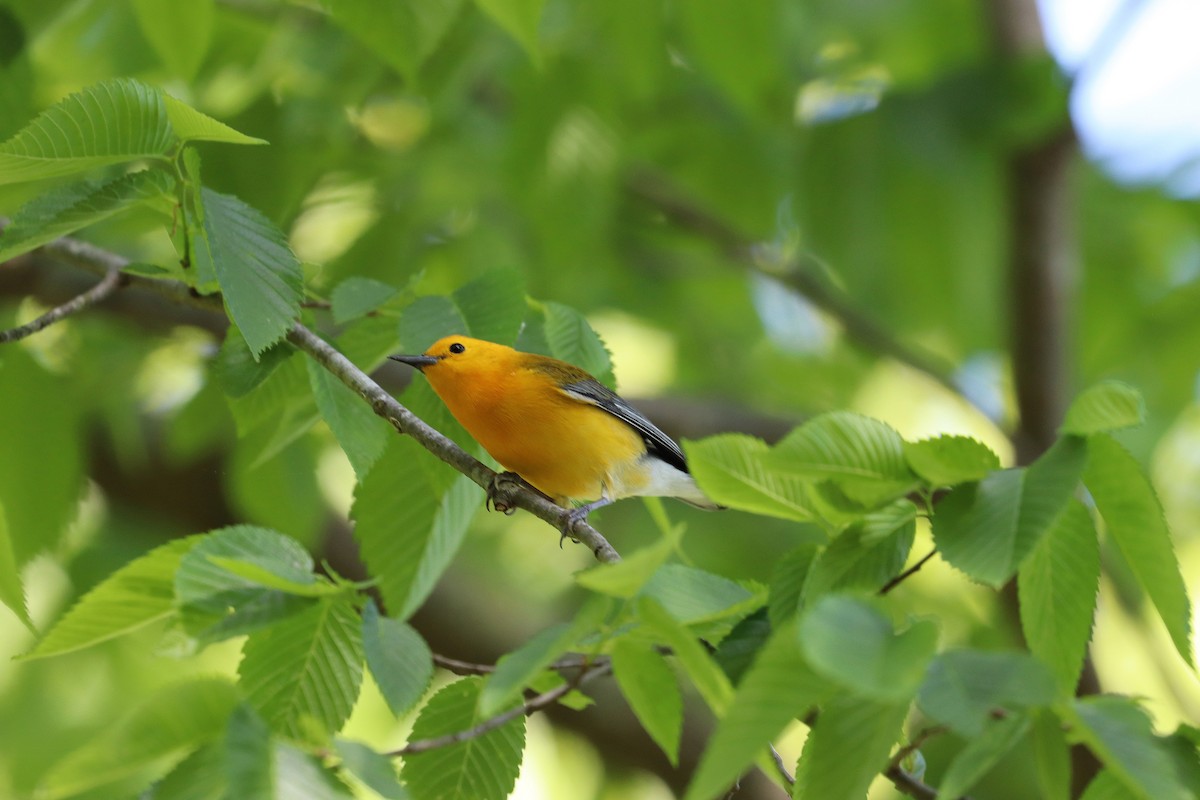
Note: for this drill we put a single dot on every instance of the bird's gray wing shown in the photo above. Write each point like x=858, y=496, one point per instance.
x=663, y=446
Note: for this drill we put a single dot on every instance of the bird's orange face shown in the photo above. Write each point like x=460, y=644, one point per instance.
x=458, y=361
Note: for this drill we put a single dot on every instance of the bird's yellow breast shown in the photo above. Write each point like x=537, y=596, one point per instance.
x=565, y=447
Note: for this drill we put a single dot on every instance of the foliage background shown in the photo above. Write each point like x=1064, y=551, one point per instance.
x=917, y=156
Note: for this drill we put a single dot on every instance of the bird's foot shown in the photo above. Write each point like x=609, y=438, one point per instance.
x=500, y=492
x=574, y=517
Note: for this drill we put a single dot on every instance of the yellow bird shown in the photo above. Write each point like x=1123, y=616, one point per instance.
x=556, y=426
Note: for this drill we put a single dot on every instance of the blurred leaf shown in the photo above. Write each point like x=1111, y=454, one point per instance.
x=1107, y=786
x=1052, y=757
x=1134, y=520
x=847, y=747
x=950, y=460
x=703, y=671
x=983, y=751
x=357, y=296
x=259, y=276
x=1057, y=588
x=12, y=591
x=730, y=469
x=376, y=770
x=307, y=668
x=521, y=18
x=778, y=687
x=493, y=305
x=863, y=456
x=428, y=319
x=112, y=122
x=850, y=643
x=66, y=209
x=137, y=594
x=361, y=433
x=402, y=34
x=740, y=647
x=409, y=528
x=260, y=765
x=866, y=555
x=272, y=477
x=41, y=469
x=399, y=659
x=200, y=776
x=239, y=372
x=650, y=688
x=1107, y=406
x=572, y=339
x=625, y=578
x=483, y=768
x=964, y=687
x=149, y=741
x=1118, y=731
x=987, y=529
x=733, y=43
x=515, y=670
x=178, y=32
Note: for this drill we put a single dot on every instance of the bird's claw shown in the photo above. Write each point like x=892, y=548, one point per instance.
x=498, y=493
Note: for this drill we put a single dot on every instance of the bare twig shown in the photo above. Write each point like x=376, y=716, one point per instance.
x=107, y=285
x=471, y=668
x=859, y=327
x=903, y=576
x=96, y=259
x=905, y=782
x=536, y=704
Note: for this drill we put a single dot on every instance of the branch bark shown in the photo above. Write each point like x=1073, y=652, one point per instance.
x=107, y=285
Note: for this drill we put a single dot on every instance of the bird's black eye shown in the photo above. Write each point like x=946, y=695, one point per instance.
x=457, y=348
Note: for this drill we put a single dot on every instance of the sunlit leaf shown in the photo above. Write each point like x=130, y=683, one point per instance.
x=866, y=555
x=12, y=591
x=178, y=32
x=399, y=659
x=1107, y=406
x=650, y=688
x=950, y=460
x=705, y=674
x=572, y=339
x=730, y=469
x=376, y=770
x=847, y=747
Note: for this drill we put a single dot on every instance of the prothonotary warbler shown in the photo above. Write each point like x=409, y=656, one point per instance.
x=555, y=425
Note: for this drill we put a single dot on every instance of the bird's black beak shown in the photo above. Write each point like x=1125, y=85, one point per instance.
x=420, y=362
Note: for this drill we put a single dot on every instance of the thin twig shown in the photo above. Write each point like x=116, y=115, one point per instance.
x=904, y=781
x=96, y=259
x=903, y=576
x=859, y=327
x=543, y=700
x=459, y=667
x=107, y=285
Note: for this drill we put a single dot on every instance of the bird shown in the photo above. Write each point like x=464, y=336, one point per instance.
x=556, y=426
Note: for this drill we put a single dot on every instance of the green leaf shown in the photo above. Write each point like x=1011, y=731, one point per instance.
x=987, y=529
x=515, y=670
x=981, y=754
x=1107, y=406
x=191, y=125
x=402, y=34
x=1057, y=588
x=963, y=687
x=200, y=776
x=867, y=554
x=520, y=18
x=178, y=32
x=428, y=319
x=259, y=276
x=261, y=765
x=572, y=339
x=847, y=747
x=239, y=372
x=111, y=122
x=849, y=642
x=149, y=741
x=730, y=469
x=361, y=432
x=408, y=524
x=41, y=470
x=1134, y=520
x=483, y=768
x=862, y=456
x=706, y=676
x=12, y=590
x=787, y=583
x=650, y=688
x=625, y=578
x=399, y=659
x=268, y=576
x=136, y=595
x=216, y=602
x=493, y=305
x=1119, y=733
x=305, y=669
x=692, y=595
x=779, y=687
x=1052, y=757
x=375, y=770
x=950, y=460
x=64, y=210
x=357, y=296
x=1107, y=786
x=740, y=646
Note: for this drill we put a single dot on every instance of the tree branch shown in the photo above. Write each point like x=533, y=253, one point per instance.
x=107, y=285
x=528, y=707
x=96, y=259
x=903, y=576
x=905, y=782
x=859, y=327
